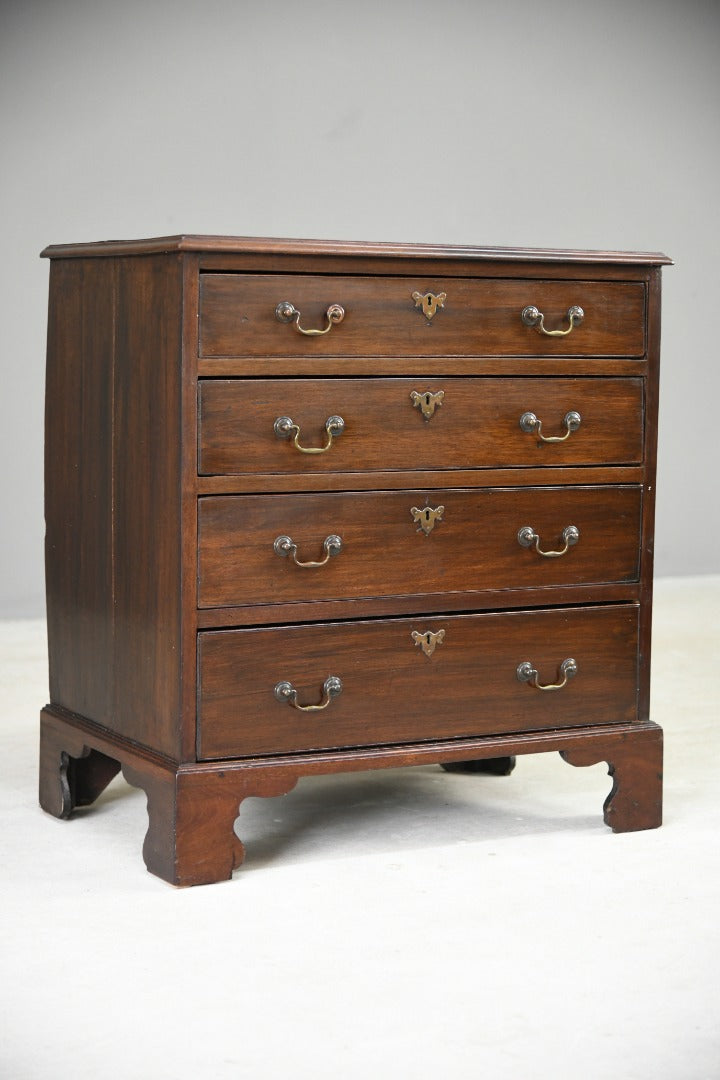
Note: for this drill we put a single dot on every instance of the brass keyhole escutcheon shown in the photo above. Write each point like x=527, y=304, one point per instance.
x=427, y=517
x=427, y=402
x=429, y=303
x=428, y=640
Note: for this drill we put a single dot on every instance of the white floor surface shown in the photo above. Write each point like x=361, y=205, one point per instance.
x=396, y=924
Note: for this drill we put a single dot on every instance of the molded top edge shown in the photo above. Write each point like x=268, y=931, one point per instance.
x=244, y=245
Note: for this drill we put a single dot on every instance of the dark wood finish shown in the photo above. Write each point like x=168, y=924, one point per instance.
x=112, y=491
x=635, y=763
x=181, y=697
x=480, y=317
x=289, y=247
x=192, y=808
x=393, y=692
x=499, y=766
x=235, y=484
x=78, y=487
x=472, y=548
x=188, y=509
x=72, y=774
x=430, y=603
x=647, y=542
x=478, y=424
x=88, y=776
x=429, y=367
x=147, y=602
x=190, y=838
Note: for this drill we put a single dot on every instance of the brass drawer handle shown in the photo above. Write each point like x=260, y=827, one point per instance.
x=527, y=673
x=527, y=537
x=286, y=312
x=530, y=424
x=286, y=692
x=532, y=316
x=285, y=545
x=285, y=428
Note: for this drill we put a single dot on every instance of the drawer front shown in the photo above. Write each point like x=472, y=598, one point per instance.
x=392, y=692
x=413, y=542
x=383, y=316
x=416, y=424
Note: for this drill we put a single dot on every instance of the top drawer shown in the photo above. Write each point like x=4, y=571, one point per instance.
x=386, y=316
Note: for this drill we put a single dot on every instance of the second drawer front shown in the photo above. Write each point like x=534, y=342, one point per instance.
x=413, y=542
x=391, y=691
x=471, y=423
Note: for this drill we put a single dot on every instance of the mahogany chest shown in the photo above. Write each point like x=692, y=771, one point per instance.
x=317, y=507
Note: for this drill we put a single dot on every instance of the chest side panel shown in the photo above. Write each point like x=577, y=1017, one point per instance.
x=147, y=532
x=112, y=494
x=78, y=485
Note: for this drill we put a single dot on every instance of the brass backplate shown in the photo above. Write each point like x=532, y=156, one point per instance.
x=429, y=303
x=428, y=640
x=427, y=401
x=427, y=517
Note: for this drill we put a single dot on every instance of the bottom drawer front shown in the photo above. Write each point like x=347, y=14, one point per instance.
x=407, y=680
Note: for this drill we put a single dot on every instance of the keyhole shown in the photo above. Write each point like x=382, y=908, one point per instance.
x=427, y=401
x=427, y=515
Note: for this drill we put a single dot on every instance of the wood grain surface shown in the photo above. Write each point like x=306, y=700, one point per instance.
x=112, y=494
x=477, y=425
x=480, y=317
x=472, y=547
x=290, y=248
x=171, y=616
x=393, y=693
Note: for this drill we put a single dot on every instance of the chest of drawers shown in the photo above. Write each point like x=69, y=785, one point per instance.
x=316, y=507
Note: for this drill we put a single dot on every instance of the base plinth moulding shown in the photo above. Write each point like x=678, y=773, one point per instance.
x=192, y=808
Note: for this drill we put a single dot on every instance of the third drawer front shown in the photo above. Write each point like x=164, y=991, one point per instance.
x=407, y=680
x=397, y=543
x=416, y=424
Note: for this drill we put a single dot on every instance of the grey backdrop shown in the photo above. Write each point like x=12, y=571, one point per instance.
x=562, y=123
